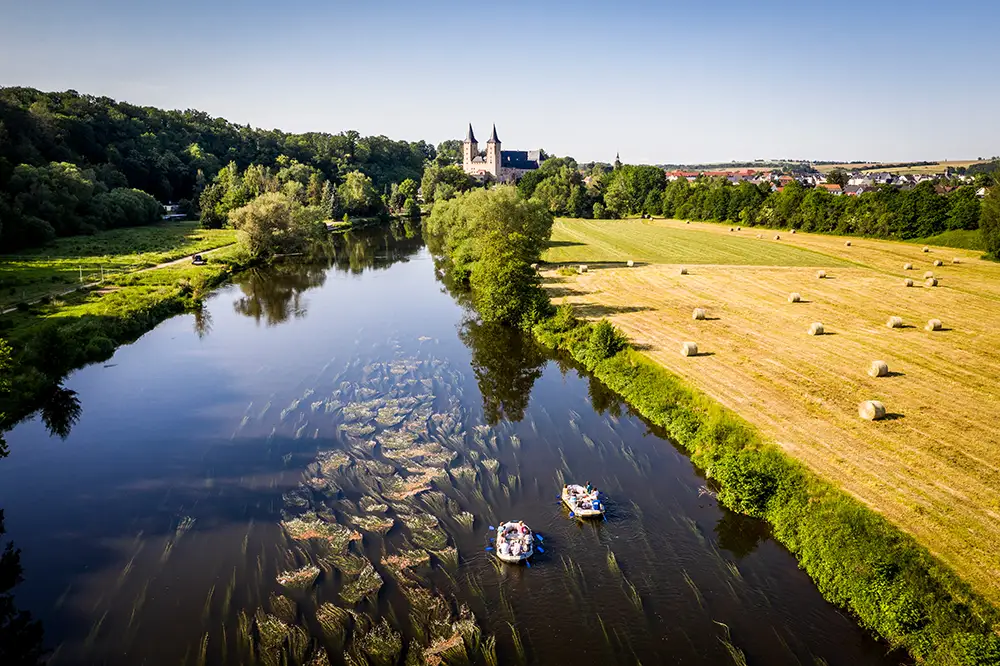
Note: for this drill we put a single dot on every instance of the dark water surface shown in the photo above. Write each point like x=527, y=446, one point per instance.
x=341, y=401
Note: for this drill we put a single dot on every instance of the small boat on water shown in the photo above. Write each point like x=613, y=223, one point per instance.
x=583, y=502
x=515, y=542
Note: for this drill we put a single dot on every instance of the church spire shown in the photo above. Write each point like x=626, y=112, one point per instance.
x=471, y=137
x=493, y=137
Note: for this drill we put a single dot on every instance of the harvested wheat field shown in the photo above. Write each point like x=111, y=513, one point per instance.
x=932, y=465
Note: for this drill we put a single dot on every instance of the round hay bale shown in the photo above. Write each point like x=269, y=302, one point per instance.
x=895, y=322
x=730, y=228
x=907, y=282
x=582, y=268
x=820, y=275
x=955, y=260
x=534, y=267
x=683, y=271
x=871, y=410
x=630, y=263
x=847, y=244
x=794, y=297
x=698, y=314
x=928, y=275
x=688, y=222
x=777, y=237
x=930, y=282
x=926, y=249
x=907, y=267
x=689, y=349
x=760, y=235
x=792, y=231
x=938, y=262
x=933, y=325
x=741, y=229
x=816, y=328
x=878, y=369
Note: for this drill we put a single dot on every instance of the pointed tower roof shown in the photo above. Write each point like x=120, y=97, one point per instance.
x=493, y=137
x=471, y=137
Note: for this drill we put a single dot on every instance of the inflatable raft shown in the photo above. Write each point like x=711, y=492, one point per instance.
x=583, y=503
x=515, y=542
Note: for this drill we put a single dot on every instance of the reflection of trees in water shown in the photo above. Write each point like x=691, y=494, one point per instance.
x=603, y=399
x=61, y=411
x=20, y=636
x=202, y=320
x=506, y=364
x=274, y=294
x=356, y=251
x=740, y=534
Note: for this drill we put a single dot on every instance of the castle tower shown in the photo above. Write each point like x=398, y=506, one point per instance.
x=493, y=154
x=470, y=149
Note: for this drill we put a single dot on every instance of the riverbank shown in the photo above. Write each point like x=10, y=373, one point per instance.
x=54, y=336
x=858, y=560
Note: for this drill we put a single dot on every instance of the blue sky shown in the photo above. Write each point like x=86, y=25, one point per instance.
x=661, y=82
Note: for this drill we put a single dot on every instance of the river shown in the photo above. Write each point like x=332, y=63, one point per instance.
x=350, y=429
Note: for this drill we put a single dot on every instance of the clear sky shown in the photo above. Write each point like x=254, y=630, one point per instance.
x=660, y=81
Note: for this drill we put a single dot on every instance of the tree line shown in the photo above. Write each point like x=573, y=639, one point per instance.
x=594, y=191
x=73, y=163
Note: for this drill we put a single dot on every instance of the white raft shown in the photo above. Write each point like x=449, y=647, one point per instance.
x=513, y=544
x=582, y=503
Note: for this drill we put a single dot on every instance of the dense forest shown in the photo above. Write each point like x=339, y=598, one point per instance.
x=73, y=163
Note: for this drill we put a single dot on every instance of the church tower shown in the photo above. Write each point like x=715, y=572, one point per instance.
x=493, y=154
x=470, y=149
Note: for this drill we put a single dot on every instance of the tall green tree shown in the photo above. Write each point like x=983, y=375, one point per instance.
x=989, y=220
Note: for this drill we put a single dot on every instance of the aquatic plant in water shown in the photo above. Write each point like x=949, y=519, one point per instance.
x=367, y=583
x=301, y=578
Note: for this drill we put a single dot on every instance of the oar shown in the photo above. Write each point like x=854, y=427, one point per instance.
x=540, y=537
x=540, y=549
x=528, y=563
x=489, y=548
x=492, y=528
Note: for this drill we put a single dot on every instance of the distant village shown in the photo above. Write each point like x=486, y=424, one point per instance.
x=858, y=182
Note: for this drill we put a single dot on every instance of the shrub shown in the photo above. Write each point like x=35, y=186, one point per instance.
x=605, y=341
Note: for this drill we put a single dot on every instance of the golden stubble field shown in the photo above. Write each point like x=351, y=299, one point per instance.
x=933, y=466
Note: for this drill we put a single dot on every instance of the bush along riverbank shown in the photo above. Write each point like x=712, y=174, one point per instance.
x=857, y=559
x=56, y=336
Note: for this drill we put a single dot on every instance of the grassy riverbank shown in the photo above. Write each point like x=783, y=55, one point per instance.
x=71, y=262
x=57, y=335
x=857, y=559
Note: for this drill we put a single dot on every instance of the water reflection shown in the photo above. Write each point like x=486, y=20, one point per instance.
x=61, y=411
x=274, y=294
x=740, y=534
x=506, y=364
x=20, y=635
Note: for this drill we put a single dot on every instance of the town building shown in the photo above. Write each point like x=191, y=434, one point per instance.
x=503, y=166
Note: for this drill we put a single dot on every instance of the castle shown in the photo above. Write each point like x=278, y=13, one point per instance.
x=503, y=166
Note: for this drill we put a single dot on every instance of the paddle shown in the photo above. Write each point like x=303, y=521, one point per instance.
x=489, y=548
x=540, y=549
x=540, y=537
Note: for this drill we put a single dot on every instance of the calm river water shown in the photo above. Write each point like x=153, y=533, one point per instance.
x=308, y=469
